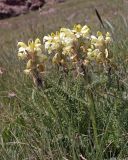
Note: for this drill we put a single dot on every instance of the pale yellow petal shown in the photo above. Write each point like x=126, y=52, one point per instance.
x=27, y=71
x=22, y=44
x=37, y=41
x=29, y=64
x=22, y=55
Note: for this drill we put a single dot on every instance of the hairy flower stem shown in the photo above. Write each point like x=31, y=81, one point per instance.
x=37, y=79
x=91, y=108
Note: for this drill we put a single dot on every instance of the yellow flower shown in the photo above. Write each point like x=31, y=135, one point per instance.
x=52, y=42
x=22, y=52
x=22, y=44
x=67, y=37
x=80, y=31
x=91, y=54
x=67, y=50
x=100, y=41
x=85, y=31
x=26, y=51
x=108, y=38
x=77, y=30
x=33, y=53
x=99, y=46
x=29, y=64
x=96, y=54
x=27, y=71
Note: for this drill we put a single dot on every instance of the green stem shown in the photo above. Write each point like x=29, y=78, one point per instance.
x=91, y=108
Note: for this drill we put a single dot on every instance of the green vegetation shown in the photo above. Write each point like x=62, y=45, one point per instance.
x=54, y=123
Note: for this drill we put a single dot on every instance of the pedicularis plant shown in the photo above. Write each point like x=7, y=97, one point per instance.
x=73, y=48
x=68, y=48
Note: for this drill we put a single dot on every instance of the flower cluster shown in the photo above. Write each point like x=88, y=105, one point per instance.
x=73, y=45
x=99, y=47
x=66, y=47
x=64, y=44
x=33, y=54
